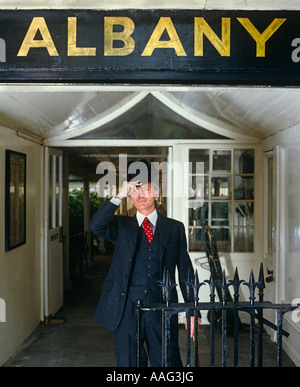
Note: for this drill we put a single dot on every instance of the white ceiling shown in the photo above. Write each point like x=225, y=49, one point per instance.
x=67, y=112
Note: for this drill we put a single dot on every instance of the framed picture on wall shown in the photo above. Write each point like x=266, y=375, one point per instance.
x=15, y=200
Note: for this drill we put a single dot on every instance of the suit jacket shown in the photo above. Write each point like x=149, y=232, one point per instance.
x=123, y=230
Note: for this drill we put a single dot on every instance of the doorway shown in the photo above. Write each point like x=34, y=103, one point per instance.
x=94, y=175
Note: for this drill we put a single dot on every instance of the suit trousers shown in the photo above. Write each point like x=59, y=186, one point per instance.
x=150, y=338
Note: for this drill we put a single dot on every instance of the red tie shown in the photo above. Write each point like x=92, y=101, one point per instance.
x=148, y=230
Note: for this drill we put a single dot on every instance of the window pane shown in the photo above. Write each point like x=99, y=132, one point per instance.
x=221, y=195
x=221, y=214
x=243, y=214
x=198, y=189
x=223, y=238
x=221, y=188
x=244, y=240
x=243, y=161
x=196, y=239
x=198, y=156
x=243, y=187
x=222, y=160
x=198, y=215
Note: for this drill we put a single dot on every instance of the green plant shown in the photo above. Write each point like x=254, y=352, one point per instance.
x=76, y=209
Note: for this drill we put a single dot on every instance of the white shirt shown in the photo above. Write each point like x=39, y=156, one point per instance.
x=151, y=217
x=140, y=217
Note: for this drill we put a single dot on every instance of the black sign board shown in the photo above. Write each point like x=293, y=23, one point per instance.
x=151, y=46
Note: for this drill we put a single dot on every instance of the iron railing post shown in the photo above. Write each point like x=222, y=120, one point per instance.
x=212, y=282
x=260, y=286
x=188, y=339
x=236, y=282
x=280, y=314
x=224, y=287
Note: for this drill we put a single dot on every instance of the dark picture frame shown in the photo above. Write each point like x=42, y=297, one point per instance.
x=15, y=200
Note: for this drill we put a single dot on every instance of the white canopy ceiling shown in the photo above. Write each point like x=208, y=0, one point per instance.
x=66, y=112
x=62, y=112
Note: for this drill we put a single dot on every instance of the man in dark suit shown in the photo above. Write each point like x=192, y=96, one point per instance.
x=142, y=251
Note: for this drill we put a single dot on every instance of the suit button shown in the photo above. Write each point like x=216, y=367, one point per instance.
x=123, y=294
x=125, y=277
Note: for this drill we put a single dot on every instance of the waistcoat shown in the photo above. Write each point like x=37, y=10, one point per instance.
x=146, y=269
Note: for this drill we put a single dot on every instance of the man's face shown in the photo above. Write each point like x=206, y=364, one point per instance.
x=144, y=198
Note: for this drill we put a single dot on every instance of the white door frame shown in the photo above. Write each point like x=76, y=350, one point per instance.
x=53, y=225
x=280, y=165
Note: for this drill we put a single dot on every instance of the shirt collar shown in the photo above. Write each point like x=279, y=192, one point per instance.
x=151, y=217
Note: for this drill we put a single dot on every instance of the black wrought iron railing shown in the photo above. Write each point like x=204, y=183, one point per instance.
x=227, y=313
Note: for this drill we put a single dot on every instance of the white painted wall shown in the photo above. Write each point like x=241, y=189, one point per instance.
x=20, y=268
x=288, y=255
x=292, y=264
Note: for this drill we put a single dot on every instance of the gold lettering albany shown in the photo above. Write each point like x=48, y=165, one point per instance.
x=164, y=27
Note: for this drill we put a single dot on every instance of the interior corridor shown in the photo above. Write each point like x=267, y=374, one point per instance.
x=74, y=339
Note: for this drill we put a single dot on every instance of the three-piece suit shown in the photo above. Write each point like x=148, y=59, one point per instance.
x=135, y=269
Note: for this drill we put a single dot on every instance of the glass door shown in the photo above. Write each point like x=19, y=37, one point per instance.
x=222, y=197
